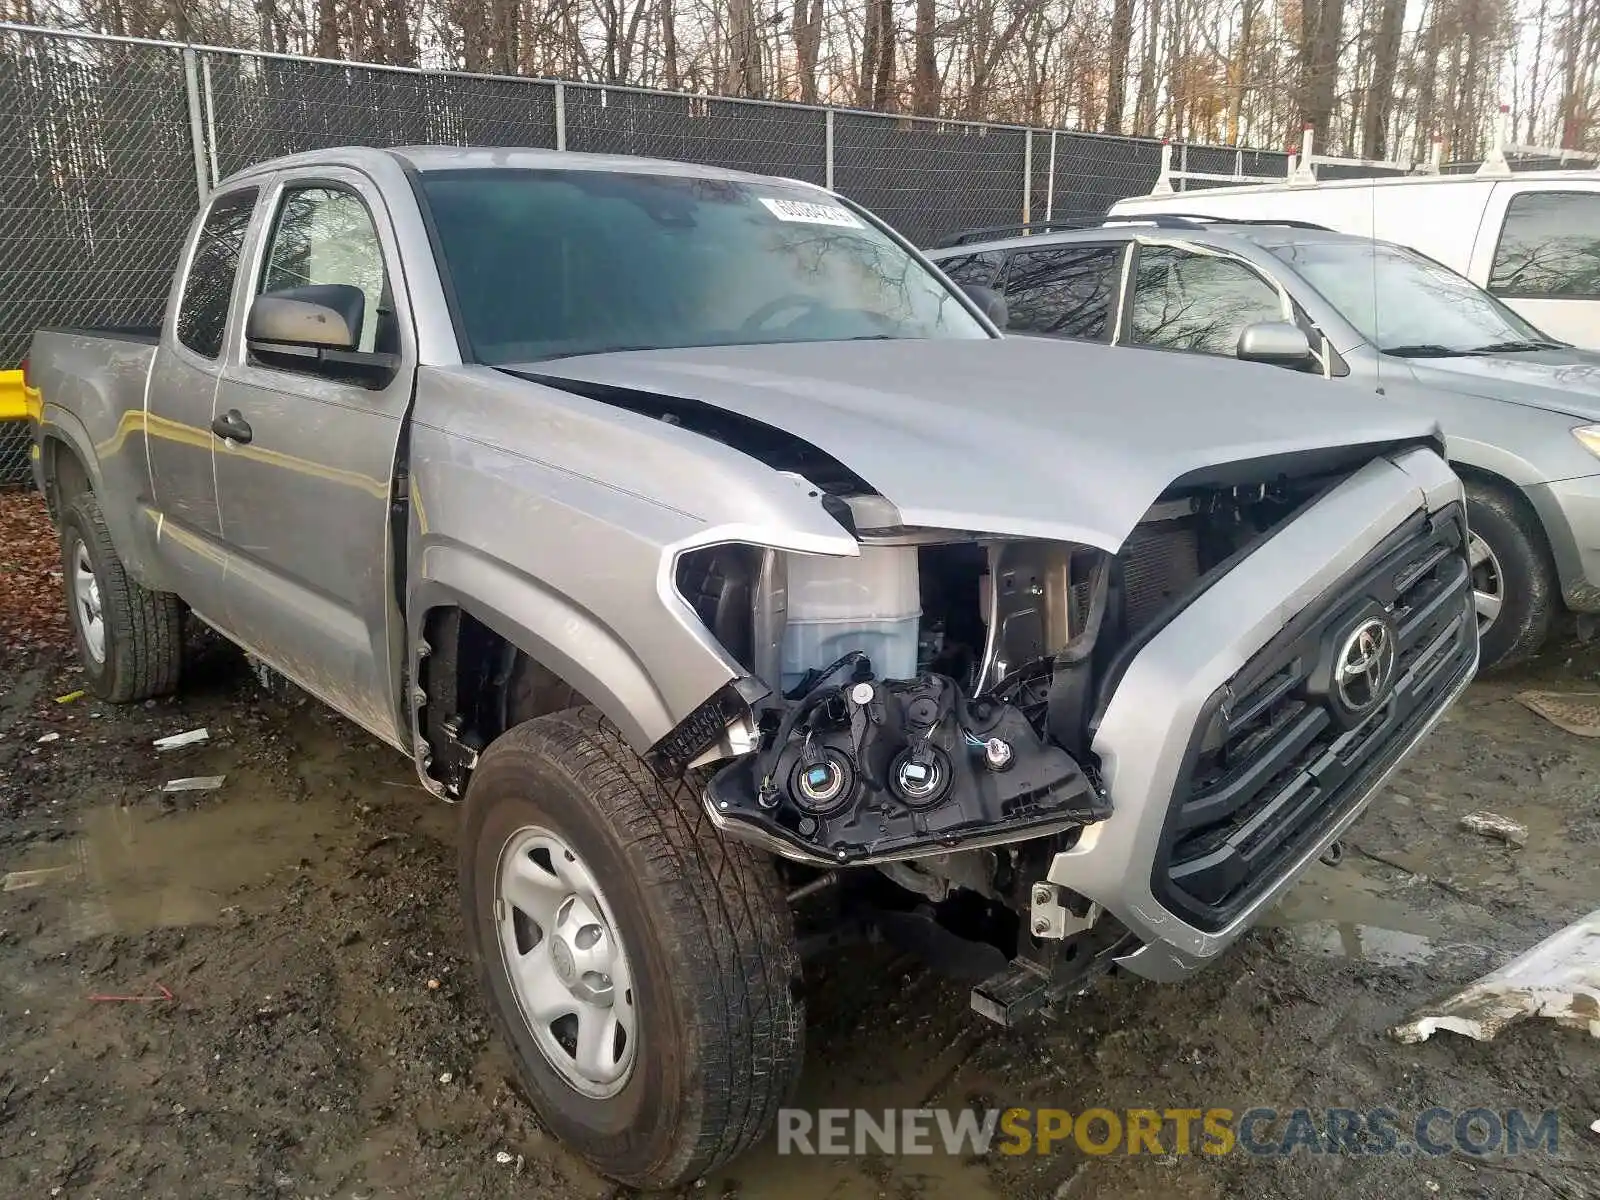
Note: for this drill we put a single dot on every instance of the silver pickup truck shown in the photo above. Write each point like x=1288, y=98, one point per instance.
x=725, y=563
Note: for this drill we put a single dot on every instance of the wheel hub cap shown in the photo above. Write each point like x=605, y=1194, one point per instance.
x=1488, y=582
x=86, y=604
x=567, y=966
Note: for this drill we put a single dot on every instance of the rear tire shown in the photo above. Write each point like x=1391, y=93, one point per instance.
x=129, y=638
x=1513, y=577
x=693, y=935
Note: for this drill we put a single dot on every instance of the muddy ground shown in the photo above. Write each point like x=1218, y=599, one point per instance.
x=323, y=1038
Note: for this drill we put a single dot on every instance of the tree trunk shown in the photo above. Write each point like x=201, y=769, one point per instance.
x=1380, y=97
x=1239, y=67
x=1117, y=68
x=925, y=63
x=744, y=50
x=1322, y=33
x=669, y=46
x=1145, y=111
x=883, y=82
x=327, y=44
x=807, y=33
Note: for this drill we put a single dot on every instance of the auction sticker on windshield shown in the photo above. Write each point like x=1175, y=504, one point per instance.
x=807, y=213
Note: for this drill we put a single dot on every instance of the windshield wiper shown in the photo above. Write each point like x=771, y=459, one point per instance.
x=1519, y=344
x=1423, y=350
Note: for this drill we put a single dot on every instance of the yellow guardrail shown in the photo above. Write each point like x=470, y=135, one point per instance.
x=17, y=403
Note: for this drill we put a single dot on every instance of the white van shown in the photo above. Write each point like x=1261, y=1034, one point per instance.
x=1531, y=238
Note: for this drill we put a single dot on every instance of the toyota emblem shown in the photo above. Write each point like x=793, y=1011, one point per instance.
x=1361, y=673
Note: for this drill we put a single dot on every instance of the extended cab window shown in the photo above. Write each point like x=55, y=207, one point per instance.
x=203, y=311
x=325, y=235
x=1550, y=246
x=1068, y=291
x=1186, y=300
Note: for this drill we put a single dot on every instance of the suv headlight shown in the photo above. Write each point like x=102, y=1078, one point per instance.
x=1589, y=435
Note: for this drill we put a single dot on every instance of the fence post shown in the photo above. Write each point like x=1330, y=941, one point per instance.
x=211, y=120
x=191, y=84
x=1027, y=178
x=828, y=143
x=561, y=116
x=1050, y=183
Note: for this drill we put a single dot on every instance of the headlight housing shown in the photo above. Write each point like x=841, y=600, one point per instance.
x=1589, y=436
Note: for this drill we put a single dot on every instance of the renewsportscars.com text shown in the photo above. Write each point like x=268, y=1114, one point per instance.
x=1260, y=1131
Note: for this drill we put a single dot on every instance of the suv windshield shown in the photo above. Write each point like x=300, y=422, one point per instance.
x=552, y=263
x=1407, y=304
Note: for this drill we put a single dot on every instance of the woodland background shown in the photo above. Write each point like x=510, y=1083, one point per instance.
x=1376, y=79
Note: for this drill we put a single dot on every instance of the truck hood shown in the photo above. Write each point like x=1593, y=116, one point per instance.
x=1565, y=380
x=1012, y=436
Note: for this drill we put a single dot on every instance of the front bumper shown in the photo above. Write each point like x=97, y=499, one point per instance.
x=1189, y=860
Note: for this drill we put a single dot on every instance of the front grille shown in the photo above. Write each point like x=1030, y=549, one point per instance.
x=1278, y=757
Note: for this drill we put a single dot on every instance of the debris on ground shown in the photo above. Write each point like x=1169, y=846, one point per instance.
x=71, y=696
x=32, y=616
x=1559, y=979
x=161, y=993
x=177, y=741
x=195, y=783
x=49, y=737
x=1493, y=825
x=1575, y=712
x=16, y=881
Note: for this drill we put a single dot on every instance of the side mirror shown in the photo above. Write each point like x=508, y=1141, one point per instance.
x=990, y=301
x=320, y=317
x=316, y=329
x=1276, y=342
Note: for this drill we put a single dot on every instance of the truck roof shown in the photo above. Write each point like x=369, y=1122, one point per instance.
x=446, y=158
x=1384, y=181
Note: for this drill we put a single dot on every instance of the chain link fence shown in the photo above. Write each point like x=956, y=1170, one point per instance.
x=107, y=147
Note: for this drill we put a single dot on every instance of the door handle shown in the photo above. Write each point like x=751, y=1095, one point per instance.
x=232, y=426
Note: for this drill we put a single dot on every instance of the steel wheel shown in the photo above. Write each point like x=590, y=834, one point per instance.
x=567, y=966
x=1488, y=582
x=86, y=608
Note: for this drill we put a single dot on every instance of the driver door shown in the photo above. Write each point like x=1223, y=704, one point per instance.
x=304, y=488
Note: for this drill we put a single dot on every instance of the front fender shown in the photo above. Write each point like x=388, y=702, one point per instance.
x=552, y=628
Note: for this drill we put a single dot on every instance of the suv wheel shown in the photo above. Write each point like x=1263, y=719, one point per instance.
x=129, y=638
x=1513, y=578
x=643, y=971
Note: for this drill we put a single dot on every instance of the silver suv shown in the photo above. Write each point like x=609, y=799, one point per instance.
x=1516, y=406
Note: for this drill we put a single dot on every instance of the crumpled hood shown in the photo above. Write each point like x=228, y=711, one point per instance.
x=1013, y=436
x=1565, y=380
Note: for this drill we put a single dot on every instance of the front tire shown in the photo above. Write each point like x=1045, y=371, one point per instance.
x=1513, y=577
x=129, y=638
x=642, y=970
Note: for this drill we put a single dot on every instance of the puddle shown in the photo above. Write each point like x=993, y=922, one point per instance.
x=1367, y=943
x=136, y=869
x=150, y=870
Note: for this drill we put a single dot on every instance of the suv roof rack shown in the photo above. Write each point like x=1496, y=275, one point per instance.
x=1202, y=219
x=990, y=232
x=1160, y=220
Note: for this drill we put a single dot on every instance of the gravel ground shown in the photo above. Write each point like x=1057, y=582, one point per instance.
x=323, y=1038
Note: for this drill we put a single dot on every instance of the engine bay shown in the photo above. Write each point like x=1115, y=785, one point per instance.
x=939, y=692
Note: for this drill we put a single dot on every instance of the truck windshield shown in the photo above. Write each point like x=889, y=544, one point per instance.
x=552, y=263
x=1406, y=304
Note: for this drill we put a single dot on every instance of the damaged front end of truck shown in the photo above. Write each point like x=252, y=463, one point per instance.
x=930, y=707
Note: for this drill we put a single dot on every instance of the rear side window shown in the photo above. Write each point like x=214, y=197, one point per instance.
x=979, y=270
x=203, y=311
x=1549, y=247
x=1200, y=302
x=1067, y=291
